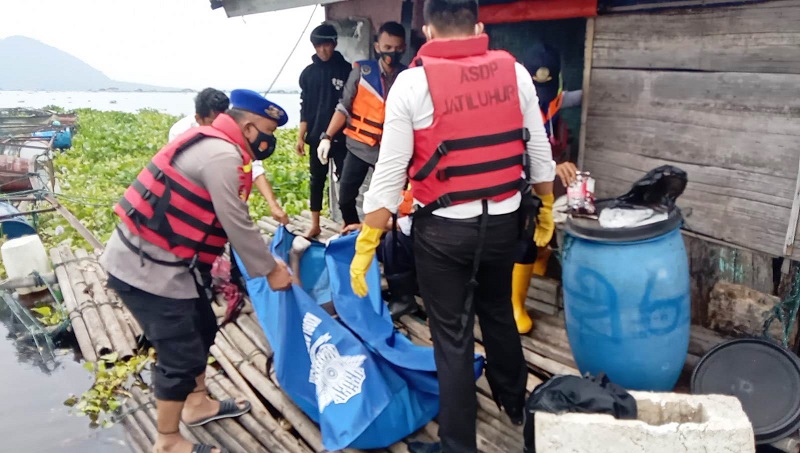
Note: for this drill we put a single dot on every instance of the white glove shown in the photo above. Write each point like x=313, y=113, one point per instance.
x=323, y=149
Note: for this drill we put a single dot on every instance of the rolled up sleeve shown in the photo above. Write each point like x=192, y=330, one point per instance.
x=258, y=169
x=542, y=168
x=221, y=178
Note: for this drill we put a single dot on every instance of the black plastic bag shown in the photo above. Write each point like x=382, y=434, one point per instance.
x=587, y=395
x=657, y=190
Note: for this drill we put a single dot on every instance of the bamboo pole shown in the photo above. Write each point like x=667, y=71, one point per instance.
x=223, y=438
x=109, y=319
x=252, y=329
x=148, y=405
x=141, y=417
x=72, y=220
x=141, y=429
x=137, y=439
x=234, y=383
x=301, y=423
x=132, y=329
x=248, y=421
x=251, y=353
x=71, y=304
x=102, y=344
x=27, y=282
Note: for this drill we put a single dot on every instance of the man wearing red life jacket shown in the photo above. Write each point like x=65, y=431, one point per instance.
x=464, y=125
x=176, y=219
x=544, y=64
x=361, y=113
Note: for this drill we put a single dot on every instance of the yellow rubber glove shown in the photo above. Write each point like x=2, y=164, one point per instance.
x=545, y=226
x=366, y=244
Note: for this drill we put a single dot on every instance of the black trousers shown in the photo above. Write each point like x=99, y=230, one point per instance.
x=353, y=174
x=181, y=330
x=444, y=250
x=319, y=172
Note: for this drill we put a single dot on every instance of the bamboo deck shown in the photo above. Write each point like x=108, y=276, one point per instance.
x=243, y=360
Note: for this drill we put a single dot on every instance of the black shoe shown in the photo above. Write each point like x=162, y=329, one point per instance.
x=424, y=447
x=401, y=306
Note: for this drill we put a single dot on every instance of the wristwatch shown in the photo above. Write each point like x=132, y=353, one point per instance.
x=324, y=136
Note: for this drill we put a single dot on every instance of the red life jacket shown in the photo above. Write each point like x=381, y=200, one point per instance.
x=166, y=209
x=475, y=147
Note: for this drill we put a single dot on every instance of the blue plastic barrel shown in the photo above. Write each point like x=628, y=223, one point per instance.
x=626, y=301
x=13, y=227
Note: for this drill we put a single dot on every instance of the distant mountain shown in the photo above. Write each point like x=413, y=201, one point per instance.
x=32, y=65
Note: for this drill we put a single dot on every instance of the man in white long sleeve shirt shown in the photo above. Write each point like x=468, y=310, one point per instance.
x=208, y=104
x=464, y=126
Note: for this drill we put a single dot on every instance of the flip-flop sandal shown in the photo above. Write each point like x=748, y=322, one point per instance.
x=202, y=448
x=227, y=409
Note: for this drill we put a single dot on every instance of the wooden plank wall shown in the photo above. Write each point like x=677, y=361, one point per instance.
x=713, y=91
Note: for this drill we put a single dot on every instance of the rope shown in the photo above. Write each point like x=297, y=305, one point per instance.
x=299, y=38
x=785, y=311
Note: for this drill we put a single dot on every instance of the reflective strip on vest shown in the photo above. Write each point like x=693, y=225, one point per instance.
x=166, y=209
x=368, y=110
x=474, y=92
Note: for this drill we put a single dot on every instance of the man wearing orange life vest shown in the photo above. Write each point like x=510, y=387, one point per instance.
x=176, y=219
x=544, y=64
x=464, y=125
x=361, y=112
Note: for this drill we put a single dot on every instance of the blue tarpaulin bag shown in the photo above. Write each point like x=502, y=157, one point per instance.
x=364, y=383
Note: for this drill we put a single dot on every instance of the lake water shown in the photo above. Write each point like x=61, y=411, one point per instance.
x=172, y=103
x=33, y=418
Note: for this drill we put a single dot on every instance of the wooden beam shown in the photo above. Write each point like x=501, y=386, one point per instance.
x=75, y=223
x=713, y=126
x=587, y=77
x=757, y=38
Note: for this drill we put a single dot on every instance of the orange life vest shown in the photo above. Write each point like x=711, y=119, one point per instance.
x=368, y=110
x=166, y=209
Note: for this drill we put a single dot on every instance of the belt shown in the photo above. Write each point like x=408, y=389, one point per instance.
x=475, y=220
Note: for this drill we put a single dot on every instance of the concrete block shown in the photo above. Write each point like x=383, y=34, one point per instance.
x=667, y=423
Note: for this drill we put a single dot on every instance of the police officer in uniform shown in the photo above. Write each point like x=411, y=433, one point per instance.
x=464, y=125
x=175, y=221
x=361, y=112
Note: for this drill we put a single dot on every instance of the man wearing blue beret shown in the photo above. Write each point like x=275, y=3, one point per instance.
x=175, y=220
x=209, y=103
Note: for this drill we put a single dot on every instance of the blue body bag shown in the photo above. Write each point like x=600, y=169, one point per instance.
x=364, y=383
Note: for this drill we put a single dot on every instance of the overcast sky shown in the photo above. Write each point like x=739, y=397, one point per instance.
x=176, y=43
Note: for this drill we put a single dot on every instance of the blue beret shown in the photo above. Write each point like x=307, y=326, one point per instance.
x=253, y=102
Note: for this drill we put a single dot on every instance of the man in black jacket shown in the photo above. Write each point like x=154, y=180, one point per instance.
x=321, y=85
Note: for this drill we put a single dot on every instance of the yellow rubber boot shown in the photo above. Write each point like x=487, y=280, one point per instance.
x=542, y=257
x=520, y=281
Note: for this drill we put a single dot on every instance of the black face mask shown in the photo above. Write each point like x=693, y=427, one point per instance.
x=392, y=59
x=263, y=146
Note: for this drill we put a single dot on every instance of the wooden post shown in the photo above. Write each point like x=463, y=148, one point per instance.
x=587, y=76
x=791, y=232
